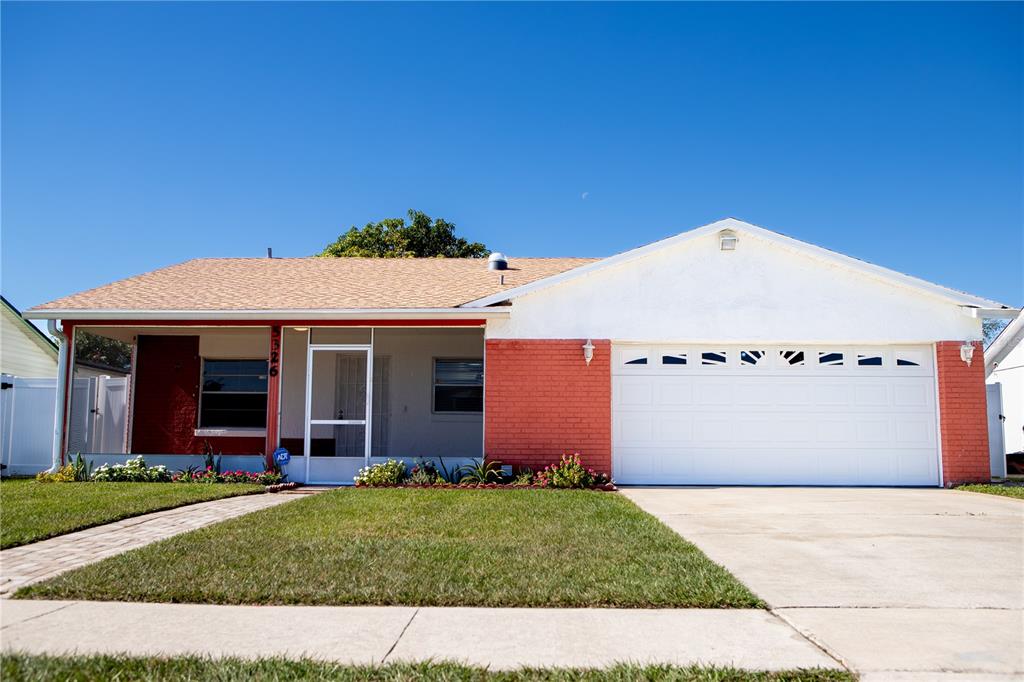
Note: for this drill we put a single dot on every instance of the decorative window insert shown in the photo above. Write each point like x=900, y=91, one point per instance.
x=673, y=359
x=830, y=358
x=458, y=385
x=753, y=357
x=634, y=357
x=715, y=358
x=793, y=358
x=233, y=394
x=909, y=358
x=869, y=360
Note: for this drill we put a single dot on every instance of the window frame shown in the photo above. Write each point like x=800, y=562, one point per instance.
x=434, y=385
x=200, y=427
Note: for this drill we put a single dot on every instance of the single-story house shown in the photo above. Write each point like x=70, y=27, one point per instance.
x=728, y=354
x=1004, y=369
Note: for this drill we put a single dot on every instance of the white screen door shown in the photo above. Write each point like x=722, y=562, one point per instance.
x=339, y=390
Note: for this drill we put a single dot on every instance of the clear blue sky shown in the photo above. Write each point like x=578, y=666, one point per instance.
x=139, y=135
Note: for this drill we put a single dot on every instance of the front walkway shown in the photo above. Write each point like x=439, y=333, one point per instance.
x=37, y=561
x=496, y=638
x=926, y=581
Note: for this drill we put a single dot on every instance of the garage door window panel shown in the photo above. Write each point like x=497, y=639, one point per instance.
x=792, y=358
x=633, y=358
x=674, y=359
x=752, y=358
x=830, y=358
x=869, y=360
x=714, y=358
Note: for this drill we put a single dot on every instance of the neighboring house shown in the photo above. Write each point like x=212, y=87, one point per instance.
x=1004, y=364
x=728, y=354
x=28, y=363
x=25, y=351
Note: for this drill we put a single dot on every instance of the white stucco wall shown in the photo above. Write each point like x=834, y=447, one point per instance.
x=1010, y=376
x=414, y=430
x=694, y=292
x=21, y=354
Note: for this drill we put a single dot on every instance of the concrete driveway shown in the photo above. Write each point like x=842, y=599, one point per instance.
x=923, y=582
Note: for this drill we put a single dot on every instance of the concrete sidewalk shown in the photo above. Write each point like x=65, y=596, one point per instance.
x=497, y=638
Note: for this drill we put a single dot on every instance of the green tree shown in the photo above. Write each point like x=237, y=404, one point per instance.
x=101, y=350
x=421, y=237
x=991, y=328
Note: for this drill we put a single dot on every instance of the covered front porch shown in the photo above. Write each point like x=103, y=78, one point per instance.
x=337, y=395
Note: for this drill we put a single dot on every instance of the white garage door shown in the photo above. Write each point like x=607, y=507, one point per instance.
x=793, y=415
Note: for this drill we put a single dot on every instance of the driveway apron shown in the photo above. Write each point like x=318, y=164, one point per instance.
x=923, y=581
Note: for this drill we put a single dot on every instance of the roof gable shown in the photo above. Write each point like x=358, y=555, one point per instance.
x=45, y=343
x=740, y=228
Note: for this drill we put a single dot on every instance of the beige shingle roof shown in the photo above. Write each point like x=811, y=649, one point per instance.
x=312, y=284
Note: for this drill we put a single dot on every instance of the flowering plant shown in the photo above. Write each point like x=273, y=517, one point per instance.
x=209, y=475
x=132, y=471
x=66, y=474
x=569, y=472
x=391, y=472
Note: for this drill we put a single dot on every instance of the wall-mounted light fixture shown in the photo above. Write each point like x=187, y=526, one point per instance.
x=588, y=351
x=967, y=353
x=728, y=240
x=301, y=329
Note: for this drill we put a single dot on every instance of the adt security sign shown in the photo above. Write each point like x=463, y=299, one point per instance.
x=281, y=459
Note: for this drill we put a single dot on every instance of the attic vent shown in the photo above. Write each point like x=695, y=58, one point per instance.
x=497, y=261
x=727, y=239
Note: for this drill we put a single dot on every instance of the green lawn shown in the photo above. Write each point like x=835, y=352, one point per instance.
x=420, y=547
x=31, y=511
x=991, y=489
x=19, y=668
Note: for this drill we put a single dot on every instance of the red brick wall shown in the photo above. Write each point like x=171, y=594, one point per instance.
x=963, y=421
x=166, y=408
x=543, y=400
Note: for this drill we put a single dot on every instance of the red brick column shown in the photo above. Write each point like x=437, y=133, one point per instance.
x=542, y=399
x=963, y=420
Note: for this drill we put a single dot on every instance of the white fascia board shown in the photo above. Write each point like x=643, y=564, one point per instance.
x=1008, y=339
x=322, y=314
x=991, y=313
x=741, y=227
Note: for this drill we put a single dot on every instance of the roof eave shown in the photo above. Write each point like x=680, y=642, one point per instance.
x=289, y=314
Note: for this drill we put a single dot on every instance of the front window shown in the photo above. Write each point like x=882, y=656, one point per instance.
x=458, y=385
x=234, y=394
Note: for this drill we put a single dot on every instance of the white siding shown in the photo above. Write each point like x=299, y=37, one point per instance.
x=22, y=353
x=1010, y=375
x=763, y=292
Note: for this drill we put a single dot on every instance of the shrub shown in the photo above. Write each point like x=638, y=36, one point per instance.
x=569, y=473
x=132, y=471
x=480, y=472
x=424, y=472
x=66, y=474
x=81, y=468
x=391, y=472
x=524, y=477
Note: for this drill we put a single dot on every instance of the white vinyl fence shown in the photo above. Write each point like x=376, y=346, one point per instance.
x=98, y=421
